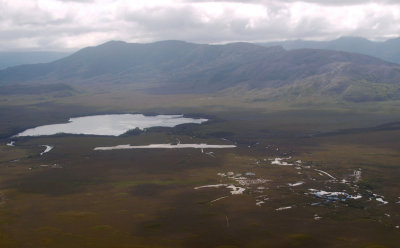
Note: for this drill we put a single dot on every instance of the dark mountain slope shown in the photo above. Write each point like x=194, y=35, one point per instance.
x=176, y=67
x=168, y=61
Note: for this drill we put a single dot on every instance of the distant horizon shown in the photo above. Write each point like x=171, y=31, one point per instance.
x=72, y=50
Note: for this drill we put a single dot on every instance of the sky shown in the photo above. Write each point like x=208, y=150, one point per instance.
x=65, y=25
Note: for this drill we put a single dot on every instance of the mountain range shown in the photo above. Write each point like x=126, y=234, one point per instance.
x=176, y=67
x=388, y=50
x=9, y=59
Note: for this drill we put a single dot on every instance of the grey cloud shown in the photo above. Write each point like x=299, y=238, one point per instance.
x=319, y=2
x=344, y=3
x=185, y=24
x=77, y=1
x=32, y=17
x=40, y=28
x=157, y=19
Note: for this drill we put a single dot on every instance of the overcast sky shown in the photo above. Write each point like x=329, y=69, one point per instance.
x=73, y=24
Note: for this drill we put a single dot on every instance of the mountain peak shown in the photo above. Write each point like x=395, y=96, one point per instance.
x=352, y=38
x=113, y=43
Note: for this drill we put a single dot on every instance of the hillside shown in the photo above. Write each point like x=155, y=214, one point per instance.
x=172, y=67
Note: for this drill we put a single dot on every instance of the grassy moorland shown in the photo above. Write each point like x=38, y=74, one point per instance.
x=147, y=198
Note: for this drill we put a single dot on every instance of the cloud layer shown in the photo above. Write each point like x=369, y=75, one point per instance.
x=72, y=24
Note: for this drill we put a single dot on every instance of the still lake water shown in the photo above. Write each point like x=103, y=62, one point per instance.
x=113, y=125
x=163, y=146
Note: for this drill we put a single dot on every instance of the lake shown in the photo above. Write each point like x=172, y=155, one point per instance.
x=111, y=125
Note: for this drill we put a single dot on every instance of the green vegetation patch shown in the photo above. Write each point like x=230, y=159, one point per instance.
x=368, y=91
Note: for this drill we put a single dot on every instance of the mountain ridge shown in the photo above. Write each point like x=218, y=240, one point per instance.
x=10, y=59
x=388, y=50
x=180, y=67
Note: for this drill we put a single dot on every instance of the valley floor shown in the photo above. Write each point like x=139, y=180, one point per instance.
x=296, y=178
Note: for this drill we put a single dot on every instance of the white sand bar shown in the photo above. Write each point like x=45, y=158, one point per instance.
x=295, y=184
x=236, y=190
x=380, y=199
x=278, y=161
x=326, y=173
x=113, y=125
x=233, y=189
x=163, y=146
x=220, y=198
x=47, y=149
x=283, y=208
x=211, y=186
x=11, y=143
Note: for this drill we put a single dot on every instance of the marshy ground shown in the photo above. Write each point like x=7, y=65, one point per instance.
x=309, y=178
